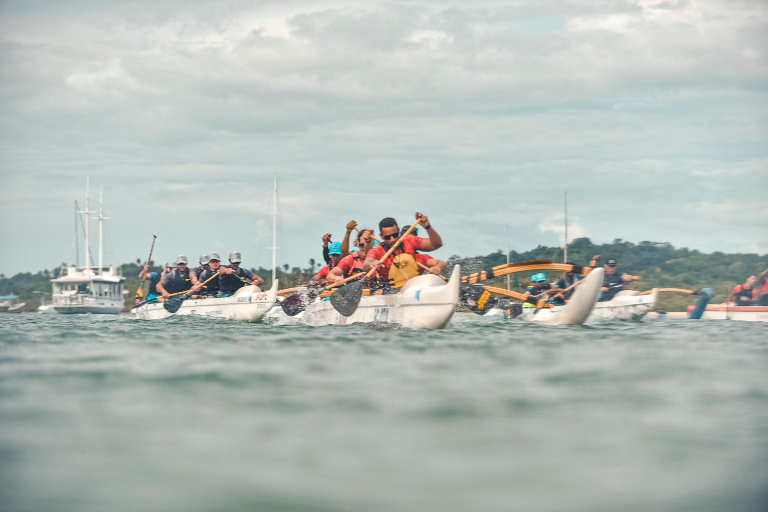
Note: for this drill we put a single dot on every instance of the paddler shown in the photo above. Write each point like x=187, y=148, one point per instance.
x=212, y=288
x=569, y=279
x=204, y=259
x=745, y=294
x=762, y=280
x=334, y=255
x=326, y=247
x=539, y=286
x=231, y=277
x=154, y=279
x=352, y=263
x=613, y=281
x=178, y=280
x=389, y=232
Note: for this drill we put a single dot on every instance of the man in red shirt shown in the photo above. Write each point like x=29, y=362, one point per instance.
x=745, y=294
x=389, y=232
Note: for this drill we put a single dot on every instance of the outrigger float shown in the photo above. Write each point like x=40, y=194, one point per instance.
x=249, y=303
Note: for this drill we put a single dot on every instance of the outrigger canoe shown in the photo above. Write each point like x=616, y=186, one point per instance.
x=248, y=304
x=424, y=302
x=740, y=313
x=578, y=309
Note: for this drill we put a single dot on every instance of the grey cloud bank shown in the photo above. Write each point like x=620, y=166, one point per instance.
x=652, y=114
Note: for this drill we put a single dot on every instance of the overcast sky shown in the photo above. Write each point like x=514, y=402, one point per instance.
x=653, y=114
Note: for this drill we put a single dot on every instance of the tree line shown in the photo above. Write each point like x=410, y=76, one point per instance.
x=659, y=264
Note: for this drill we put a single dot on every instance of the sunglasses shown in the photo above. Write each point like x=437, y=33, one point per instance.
x=390, y=237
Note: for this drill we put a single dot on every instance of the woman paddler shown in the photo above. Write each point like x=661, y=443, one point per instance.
x=353, y=262
x=389, y=233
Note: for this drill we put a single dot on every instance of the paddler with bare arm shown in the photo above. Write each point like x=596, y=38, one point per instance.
x=334, y=255
x=353, y=262
x=389, y=232
x=178, y=280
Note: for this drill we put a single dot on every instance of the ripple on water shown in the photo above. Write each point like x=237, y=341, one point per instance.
x=114, y=413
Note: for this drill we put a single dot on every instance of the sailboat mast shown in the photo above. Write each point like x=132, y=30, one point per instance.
x=87, y=213
x=77, y=242
x=565, y=251
x=274, y=229
x=101, y=225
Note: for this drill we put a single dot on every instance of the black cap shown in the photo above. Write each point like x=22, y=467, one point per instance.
x=611, y=262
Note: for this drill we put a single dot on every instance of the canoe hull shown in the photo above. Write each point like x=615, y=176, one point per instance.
x=425, y=302
x=738, y=313
x=626, y=305
x=246, y=307
x=578, y=309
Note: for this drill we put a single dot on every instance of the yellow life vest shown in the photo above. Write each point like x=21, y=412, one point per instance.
x=403, y=268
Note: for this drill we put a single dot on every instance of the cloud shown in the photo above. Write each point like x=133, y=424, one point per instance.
x=478, y=114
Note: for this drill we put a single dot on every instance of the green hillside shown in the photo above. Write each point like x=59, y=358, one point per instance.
x=659, y=264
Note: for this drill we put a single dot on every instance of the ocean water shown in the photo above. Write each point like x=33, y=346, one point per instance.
x=114, y=414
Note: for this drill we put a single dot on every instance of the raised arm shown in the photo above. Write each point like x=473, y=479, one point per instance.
x=351, y=225
x=434, y=242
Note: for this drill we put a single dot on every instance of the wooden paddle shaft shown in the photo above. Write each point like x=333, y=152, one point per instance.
x=427, y=268
x=515, y=295
x=374, y=236
x=201, y=284
x=151, y=249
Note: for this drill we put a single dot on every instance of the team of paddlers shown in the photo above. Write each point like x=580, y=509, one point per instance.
x=361, y=252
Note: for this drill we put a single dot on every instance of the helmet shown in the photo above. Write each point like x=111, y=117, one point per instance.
x=335, y=248
x=170, y=264
x=204, y=259
x=539, y=278
x=355, y=249
x=181, y=259
x=234, y=257
x=214, y=256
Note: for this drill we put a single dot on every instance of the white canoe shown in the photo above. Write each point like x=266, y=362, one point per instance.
x=625, y=305
x=249, y=304
x=740, y=313
x=578, y=309
x=425, y=302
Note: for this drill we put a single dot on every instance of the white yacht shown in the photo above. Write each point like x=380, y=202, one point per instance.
x=89, y=289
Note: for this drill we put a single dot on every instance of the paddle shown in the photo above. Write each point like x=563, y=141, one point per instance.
x=346, y=299
x=149, y=259
x=173, y=304
x=298, y=302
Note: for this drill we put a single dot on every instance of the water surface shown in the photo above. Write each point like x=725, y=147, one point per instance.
x=103, y=413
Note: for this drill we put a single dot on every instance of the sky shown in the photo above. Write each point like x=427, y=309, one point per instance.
x=652, y=114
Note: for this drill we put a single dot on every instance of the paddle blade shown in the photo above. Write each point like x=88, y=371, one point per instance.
x=346, y=299
x=296, y=303
x=173, y=304
x=476, y=298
